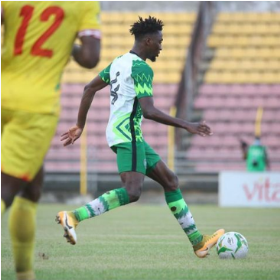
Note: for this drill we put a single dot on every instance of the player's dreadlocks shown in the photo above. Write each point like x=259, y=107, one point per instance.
x=145, y=26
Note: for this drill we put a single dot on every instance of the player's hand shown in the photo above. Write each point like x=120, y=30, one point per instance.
x=201, y=129
x=71, y=135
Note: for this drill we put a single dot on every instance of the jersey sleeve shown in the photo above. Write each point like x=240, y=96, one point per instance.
x=142, y=74
x=105, y=74
x=90, y=20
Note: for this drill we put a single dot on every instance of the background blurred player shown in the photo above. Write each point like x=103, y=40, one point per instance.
x=38, y=41
x=255, y=155
x=131, y=80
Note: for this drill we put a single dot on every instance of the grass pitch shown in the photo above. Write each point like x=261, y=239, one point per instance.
x=145, y=242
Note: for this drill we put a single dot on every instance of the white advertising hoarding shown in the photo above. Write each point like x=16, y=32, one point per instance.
x=247, y=189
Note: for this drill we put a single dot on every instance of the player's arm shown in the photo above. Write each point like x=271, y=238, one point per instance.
x=88, y=54
x=152, y=113
x=75, y=132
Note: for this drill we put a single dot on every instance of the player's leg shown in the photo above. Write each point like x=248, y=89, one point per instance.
x=131, y=168
x=10, y=187
x=175, y=201
x=22, y=226
x=32, y=191
x=130, y=192
x=25, y=141
x=160, y=173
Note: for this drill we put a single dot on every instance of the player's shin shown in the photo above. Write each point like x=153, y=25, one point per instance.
x=179, y=208
x=22, y=221
x=107, y=201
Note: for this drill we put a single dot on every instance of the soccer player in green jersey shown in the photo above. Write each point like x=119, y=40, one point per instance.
x=130, y=78
x=255, y=155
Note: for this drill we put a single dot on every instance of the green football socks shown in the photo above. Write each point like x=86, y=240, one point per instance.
x=179, y=208
x=108, y=201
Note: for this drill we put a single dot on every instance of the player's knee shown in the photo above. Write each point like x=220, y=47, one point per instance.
x=33, y=190
x=8, y=200
x=173, y=183
x=134, y=193
x=32, y=193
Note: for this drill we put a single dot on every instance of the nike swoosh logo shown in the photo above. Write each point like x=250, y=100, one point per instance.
x=66, y=222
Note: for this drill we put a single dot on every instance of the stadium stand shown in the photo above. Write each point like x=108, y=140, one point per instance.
x=240, y=72
x=116, y=41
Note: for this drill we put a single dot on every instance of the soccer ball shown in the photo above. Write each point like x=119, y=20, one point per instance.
x=232, y=245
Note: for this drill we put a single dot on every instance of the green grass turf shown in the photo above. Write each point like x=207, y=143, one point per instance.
x=145, y=242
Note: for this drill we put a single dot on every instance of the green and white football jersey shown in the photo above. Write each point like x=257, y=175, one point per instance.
x=130, y=78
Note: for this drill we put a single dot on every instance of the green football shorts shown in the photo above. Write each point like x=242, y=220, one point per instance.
x=138, y=157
